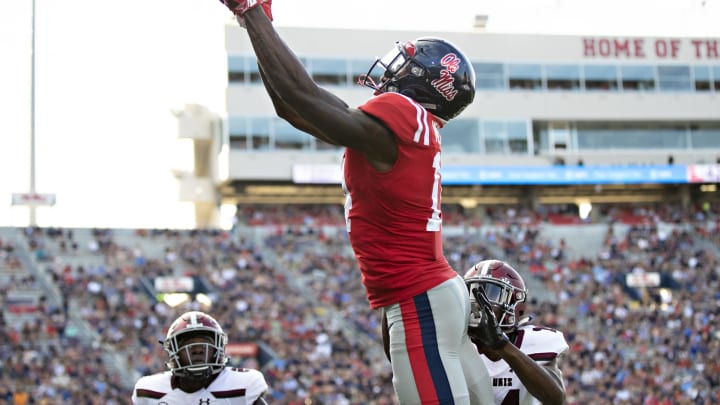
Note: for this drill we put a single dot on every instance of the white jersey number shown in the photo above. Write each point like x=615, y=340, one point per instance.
x=511, y=398
x=433, y=223
x=348, y=198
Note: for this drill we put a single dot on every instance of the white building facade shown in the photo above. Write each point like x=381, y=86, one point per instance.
x=557, y=115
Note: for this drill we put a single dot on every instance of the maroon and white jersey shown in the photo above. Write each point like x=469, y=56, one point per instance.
x=540, y=344
x=236, y=386
x=394, y=218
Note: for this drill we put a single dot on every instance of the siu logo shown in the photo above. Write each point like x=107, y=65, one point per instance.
x=445, y=83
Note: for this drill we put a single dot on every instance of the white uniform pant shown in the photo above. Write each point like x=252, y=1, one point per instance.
x=433, y=359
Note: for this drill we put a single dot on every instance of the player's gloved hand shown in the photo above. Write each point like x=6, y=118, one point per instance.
x=483, y=327
x=240, y=7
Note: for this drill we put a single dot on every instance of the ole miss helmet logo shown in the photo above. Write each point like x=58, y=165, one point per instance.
x=445, y=84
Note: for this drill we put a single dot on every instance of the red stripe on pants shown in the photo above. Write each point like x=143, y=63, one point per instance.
x=416, y=352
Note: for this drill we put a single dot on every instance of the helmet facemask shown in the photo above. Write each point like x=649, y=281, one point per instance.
x=504, y=297
x=196, y=353
x=386, y=71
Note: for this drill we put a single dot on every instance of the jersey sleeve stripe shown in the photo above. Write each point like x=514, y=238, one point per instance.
x=422, y=127
x=426, y=127
x=145, y=393
x=547, y=356
x=229, y=393
x=418, y=119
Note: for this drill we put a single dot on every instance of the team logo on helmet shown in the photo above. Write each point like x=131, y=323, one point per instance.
x=431, y=71
x=445, y=84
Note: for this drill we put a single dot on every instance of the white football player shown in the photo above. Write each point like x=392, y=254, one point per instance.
x=526, y=371
x=195, y=344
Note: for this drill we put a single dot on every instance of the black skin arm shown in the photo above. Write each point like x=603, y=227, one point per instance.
x=299, y=100
x=285, y=112
x=543, y=382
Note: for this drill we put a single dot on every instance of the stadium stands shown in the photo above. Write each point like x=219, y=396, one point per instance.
x=82, y=319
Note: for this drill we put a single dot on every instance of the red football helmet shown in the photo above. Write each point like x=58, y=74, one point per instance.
x=183, y=358
x=504, y=288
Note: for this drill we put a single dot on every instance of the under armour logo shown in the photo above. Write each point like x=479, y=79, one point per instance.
x=204, y=401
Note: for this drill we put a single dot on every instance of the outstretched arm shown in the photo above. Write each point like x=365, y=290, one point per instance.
x=285, y=112
x=542, y=382
x=328, y=117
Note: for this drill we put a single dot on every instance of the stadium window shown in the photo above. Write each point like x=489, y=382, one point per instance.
x=701, y=78
x=236, y=68
x=239, y=142
x=525, y=77
x=637, y=77
x=541, y=136
x=518, y=137
x=716, y=77
x=260, y=133
x=563, y=77
x=238, y=134
x=358, y=68
x=329, y=71
x=236, y=77
x=674, y=78
x=601, y=77
x=705, y=135
x=286, y=137
x=253, y=71
x=631, y=135
x=461, y=136
x=489, y=76
x=494, y=136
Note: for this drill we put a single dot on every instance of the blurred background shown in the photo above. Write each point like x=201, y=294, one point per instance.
x=145, y=174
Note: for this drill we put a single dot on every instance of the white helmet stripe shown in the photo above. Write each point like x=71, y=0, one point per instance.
x=485, y=269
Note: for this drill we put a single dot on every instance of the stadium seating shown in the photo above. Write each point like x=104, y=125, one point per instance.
x=285, y=282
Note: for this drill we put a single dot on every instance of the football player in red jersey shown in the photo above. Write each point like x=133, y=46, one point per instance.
x=523, y=359
x=391, y=180
x=195, y=344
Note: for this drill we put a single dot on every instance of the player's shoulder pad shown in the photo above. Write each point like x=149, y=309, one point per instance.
x=540, y=343
x=153, y=386
x=244, y=372
x=248, y=377
x=407, y=119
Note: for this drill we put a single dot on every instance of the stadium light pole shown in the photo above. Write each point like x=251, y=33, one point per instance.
x=33, y=219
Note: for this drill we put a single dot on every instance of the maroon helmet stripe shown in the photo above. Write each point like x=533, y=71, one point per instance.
x=543, y=356
x=143, y=393
x=229, y=394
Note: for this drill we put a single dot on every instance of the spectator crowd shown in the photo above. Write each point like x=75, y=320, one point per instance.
x=284, y=280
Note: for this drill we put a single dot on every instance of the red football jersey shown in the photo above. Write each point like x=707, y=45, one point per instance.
x=394, y=218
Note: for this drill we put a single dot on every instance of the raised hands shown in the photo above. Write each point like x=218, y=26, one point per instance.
x=483, y=327
x=240, y=7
